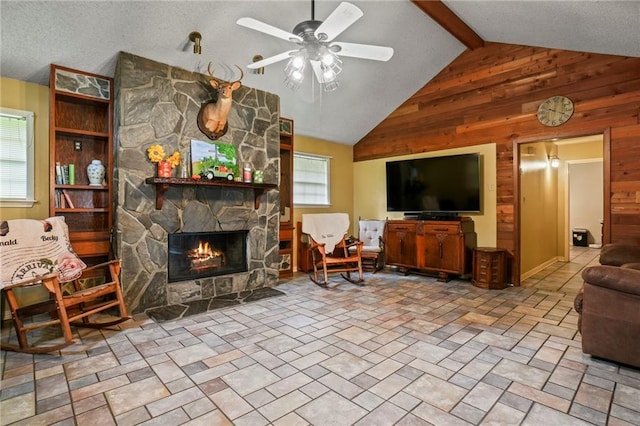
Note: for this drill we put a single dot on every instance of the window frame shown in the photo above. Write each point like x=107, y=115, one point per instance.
x=29, y=198
x=327, y=160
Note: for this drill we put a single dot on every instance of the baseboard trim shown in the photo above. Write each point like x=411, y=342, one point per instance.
x=540, y=267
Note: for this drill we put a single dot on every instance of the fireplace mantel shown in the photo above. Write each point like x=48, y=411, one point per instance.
x=162, y=184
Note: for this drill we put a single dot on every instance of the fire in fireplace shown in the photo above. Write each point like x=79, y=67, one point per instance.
x=205, y=254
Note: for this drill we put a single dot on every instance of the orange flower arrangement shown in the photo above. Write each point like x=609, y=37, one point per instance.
x=157, y=155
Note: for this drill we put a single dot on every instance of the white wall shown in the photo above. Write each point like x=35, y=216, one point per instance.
x=586, y=207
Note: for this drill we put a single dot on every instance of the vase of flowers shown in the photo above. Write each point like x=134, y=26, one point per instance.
x=165, y=164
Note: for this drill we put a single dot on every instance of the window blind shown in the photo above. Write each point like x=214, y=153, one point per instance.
x=310, y=179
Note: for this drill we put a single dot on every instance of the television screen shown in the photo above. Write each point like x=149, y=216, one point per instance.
x=449, y=184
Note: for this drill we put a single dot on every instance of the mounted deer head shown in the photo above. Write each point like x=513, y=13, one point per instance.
x=212, y=117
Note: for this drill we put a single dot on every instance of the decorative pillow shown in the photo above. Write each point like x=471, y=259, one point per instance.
x=31, y=248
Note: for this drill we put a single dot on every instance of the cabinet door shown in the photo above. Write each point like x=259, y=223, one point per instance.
x=453, y=254
x=442, y=252
x=430, y=251
x=400, y=247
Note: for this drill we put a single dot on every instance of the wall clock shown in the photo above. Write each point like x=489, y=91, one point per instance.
x=555, y=111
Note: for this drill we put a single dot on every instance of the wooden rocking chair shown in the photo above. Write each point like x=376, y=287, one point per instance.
x=38, y=252
x=329, y=249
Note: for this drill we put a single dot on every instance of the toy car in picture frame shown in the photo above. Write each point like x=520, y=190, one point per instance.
x=219, y=172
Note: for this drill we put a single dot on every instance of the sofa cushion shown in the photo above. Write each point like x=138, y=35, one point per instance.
x=619, y=254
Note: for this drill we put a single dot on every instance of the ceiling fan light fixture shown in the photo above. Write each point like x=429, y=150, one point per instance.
x=298, y=62
x=317, y=48
x=294, y=71
x=328, y=58
x=328, y=76
x=292, y=83
x=330, y=86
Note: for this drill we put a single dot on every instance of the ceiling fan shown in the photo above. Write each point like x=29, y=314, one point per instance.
x=316, y=46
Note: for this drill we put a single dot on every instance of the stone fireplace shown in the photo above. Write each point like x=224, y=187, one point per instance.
x=158, y=104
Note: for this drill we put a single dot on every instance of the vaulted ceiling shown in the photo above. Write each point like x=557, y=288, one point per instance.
x=425, y=36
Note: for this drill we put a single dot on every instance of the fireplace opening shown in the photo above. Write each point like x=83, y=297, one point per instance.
x=206, y=254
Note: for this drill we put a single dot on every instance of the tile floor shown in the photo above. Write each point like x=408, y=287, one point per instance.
x=401, y=350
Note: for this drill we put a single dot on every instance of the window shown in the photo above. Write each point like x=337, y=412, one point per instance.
x=16, y=158
x=311, y=180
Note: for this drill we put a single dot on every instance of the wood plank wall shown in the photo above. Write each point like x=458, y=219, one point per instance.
x=624, y=176
x=491, y=94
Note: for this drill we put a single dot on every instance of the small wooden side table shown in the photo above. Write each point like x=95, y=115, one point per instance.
x=489, y=267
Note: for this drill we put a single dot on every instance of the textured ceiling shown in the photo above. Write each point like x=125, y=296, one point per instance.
x=88, y=35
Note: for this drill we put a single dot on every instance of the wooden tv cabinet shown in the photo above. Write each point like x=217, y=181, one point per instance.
x=442, y=246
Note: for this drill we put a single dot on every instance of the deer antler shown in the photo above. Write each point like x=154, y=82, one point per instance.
x=210, y=71
x=241, y=75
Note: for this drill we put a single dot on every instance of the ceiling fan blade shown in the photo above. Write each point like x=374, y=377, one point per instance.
x=340, y=19
x=254, y=24
x=271, y=60
x=364, y=51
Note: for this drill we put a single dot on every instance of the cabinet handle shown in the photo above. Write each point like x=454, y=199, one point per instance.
x=441, y=229
x=440, y=249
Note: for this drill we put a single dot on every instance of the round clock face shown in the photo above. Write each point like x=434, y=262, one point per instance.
x=555, y=111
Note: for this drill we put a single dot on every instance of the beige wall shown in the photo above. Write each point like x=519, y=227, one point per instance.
x=341, y=179
x=539, y=208
x=31, y=97
x=370, y=198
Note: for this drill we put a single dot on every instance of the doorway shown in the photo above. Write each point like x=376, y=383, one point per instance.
x=546, y=193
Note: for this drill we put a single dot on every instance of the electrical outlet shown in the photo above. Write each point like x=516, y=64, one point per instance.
x=77, y=145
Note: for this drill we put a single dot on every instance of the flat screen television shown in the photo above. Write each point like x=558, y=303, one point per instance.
x=436, y=186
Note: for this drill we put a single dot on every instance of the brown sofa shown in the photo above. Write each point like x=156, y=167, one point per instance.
x=609, y=306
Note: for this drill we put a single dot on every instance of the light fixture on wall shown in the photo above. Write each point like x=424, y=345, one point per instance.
x=260, y=70
x=195, y=37
x=555, y=161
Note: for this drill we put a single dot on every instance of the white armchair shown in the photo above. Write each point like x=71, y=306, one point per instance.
x=371, y=234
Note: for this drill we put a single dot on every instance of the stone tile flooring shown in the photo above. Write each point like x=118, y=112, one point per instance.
x=401, y=350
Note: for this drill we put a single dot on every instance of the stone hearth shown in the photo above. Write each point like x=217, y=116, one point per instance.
x=158, y=104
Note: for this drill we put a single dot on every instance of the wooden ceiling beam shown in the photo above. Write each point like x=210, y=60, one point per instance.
x=448, y=20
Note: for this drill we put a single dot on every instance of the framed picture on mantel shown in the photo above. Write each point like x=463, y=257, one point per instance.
x=207, y=155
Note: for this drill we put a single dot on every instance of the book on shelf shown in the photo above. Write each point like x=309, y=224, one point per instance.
x=58, y=173
x=60, y=200
x=68, y=199
x=65, y=174
x=72, y=174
